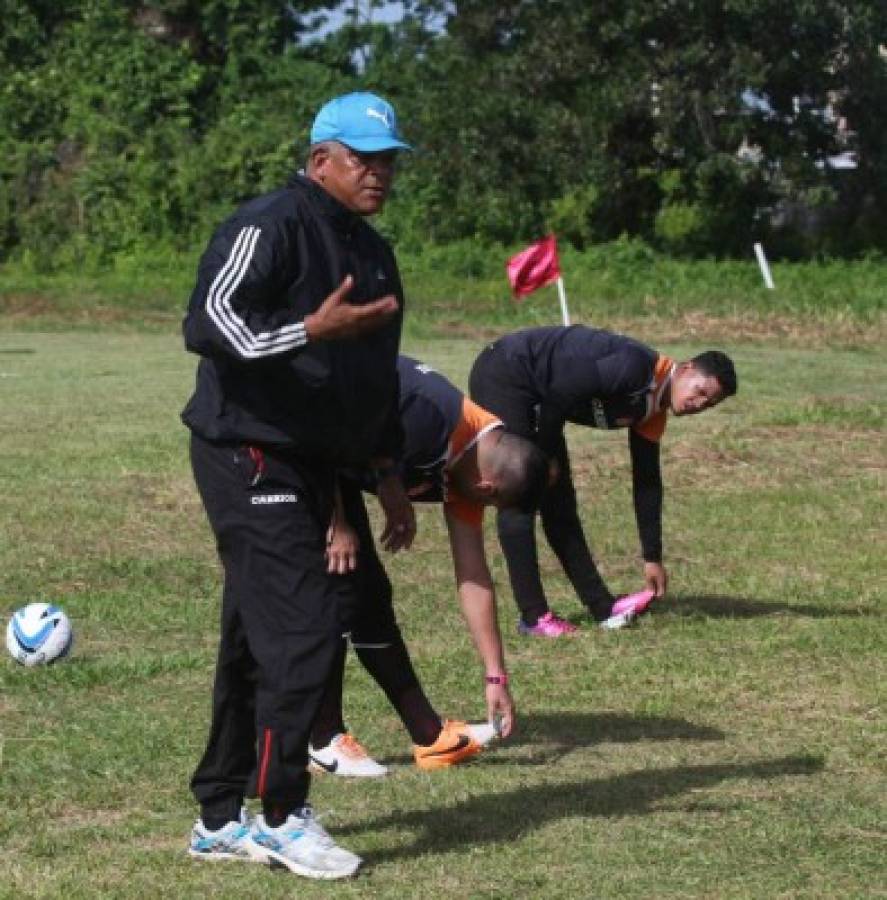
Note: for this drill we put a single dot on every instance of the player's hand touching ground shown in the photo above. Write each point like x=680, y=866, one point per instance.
x=500, y=708
x=656, y=578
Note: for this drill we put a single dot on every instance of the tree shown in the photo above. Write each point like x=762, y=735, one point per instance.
x=640, y=111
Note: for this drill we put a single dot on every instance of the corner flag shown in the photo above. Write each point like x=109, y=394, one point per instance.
x=534, y=267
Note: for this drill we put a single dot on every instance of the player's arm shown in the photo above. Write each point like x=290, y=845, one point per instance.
x=342, y=542
x=478, y=600
x=240, y=307
x=399, y=529
x=646, y=479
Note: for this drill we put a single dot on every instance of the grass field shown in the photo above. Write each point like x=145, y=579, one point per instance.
x=455, y=289
x=730, y=746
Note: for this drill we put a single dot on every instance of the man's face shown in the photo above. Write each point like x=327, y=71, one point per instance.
x=693, y=392
x=360, y=181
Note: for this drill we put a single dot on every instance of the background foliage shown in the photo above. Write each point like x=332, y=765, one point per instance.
x=695, y=125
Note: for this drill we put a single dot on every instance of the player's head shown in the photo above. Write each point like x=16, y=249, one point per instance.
x=511, y=471
x=702, y=382
x=354, y=145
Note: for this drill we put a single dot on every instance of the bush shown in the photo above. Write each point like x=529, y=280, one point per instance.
x=571, y=215
x=679, y=228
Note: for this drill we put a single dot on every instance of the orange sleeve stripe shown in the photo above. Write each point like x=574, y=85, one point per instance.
x=653, y=427
x=472, y=423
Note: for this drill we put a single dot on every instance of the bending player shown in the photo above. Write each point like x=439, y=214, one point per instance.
x=539, y=379
x=457, y=454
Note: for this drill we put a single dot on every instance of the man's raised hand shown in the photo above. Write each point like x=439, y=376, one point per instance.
x=336, y=318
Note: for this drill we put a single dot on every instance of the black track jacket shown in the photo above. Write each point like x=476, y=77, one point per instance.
x=266, y=267
x=594, y=377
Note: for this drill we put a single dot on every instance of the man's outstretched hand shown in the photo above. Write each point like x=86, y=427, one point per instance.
x=336, y=318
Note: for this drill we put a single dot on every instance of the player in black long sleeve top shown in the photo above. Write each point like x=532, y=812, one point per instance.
x=539, y=379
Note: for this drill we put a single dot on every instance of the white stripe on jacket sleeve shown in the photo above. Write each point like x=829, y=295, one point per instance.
x=247, y=343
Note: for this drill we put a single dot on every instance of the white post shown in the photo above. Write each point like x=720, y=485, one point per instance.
x=764, y=266
x=565, y=313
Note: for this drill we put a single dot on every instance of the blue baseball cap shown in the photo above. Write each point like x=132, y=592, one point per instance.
x=361, y=121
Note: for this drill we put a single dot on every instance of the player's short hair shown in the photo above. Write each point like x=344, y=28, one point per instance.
x=720, y=366
x=521, y=471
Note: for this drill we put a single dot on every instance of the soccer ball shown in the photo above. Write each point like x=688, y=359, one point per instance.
x=39, y=633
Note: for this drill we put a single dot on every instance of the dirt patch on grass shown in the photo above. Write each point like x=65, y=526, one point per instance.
x=772, y=457
x=72, y=816
x=21, y=309
x=471, y=331
x=833, y=331
x=836, y=330
x=25, y=306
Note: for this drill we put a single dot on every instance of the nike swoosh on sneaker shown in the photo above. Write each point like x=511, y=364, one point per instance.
x=329, y=767
x=461, y=744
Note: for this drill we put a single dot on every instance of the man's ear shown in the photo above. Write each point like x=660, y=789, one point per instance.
x=318, y=158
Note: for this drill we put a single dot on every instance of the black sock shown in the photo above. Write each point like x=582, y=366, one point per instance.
x=533, y=614
x=218, y=815
x=275, y=814
x=392, y=670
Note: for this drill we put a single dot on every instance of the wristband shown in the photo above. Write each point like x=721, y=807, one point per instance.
x=496, y=679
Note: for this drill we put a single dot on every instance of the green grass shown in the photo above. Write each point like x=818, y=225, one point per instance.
x=457, y=288
x=730, y=746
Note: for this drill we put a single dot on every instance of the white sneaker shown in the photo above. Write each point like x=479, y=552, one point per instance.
x=231, y=842
x=622, y=620
x=345, y=756
x=483, y=732
x=302, y=845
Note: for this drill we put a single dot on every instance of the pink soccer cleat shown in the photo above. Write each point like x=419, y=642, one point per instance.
x=637, y=603
x=627, y=609
x=549, y=625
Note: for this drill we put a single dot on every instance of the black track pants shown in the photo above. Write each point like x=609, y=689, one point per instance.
x=283, y=618
x=492, y=385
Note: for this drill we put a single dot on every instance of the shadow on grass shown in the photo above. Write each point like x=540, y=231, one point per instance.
x=509, y=816
x=553, y=735
x=565, y=731
x=717, y=606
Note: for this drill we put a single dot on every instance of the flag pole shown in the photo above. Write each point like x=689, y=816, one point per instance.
x=764, y=266
x=565, y=313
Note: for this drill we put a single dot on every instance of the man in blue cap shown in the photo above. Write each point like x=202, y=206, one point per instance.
x=296, y=316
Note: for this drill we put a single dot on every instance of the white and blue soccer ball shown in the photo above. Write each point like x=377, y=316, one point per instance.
x=38, y=634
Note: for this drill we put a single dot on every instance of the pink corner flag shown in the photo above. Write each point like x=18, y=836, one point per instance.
x=534, y=267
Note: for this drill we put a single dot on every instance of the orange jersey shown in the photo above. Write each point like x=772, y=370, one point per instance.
x=440, y=426
x=652, y=426
x=474, y=422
